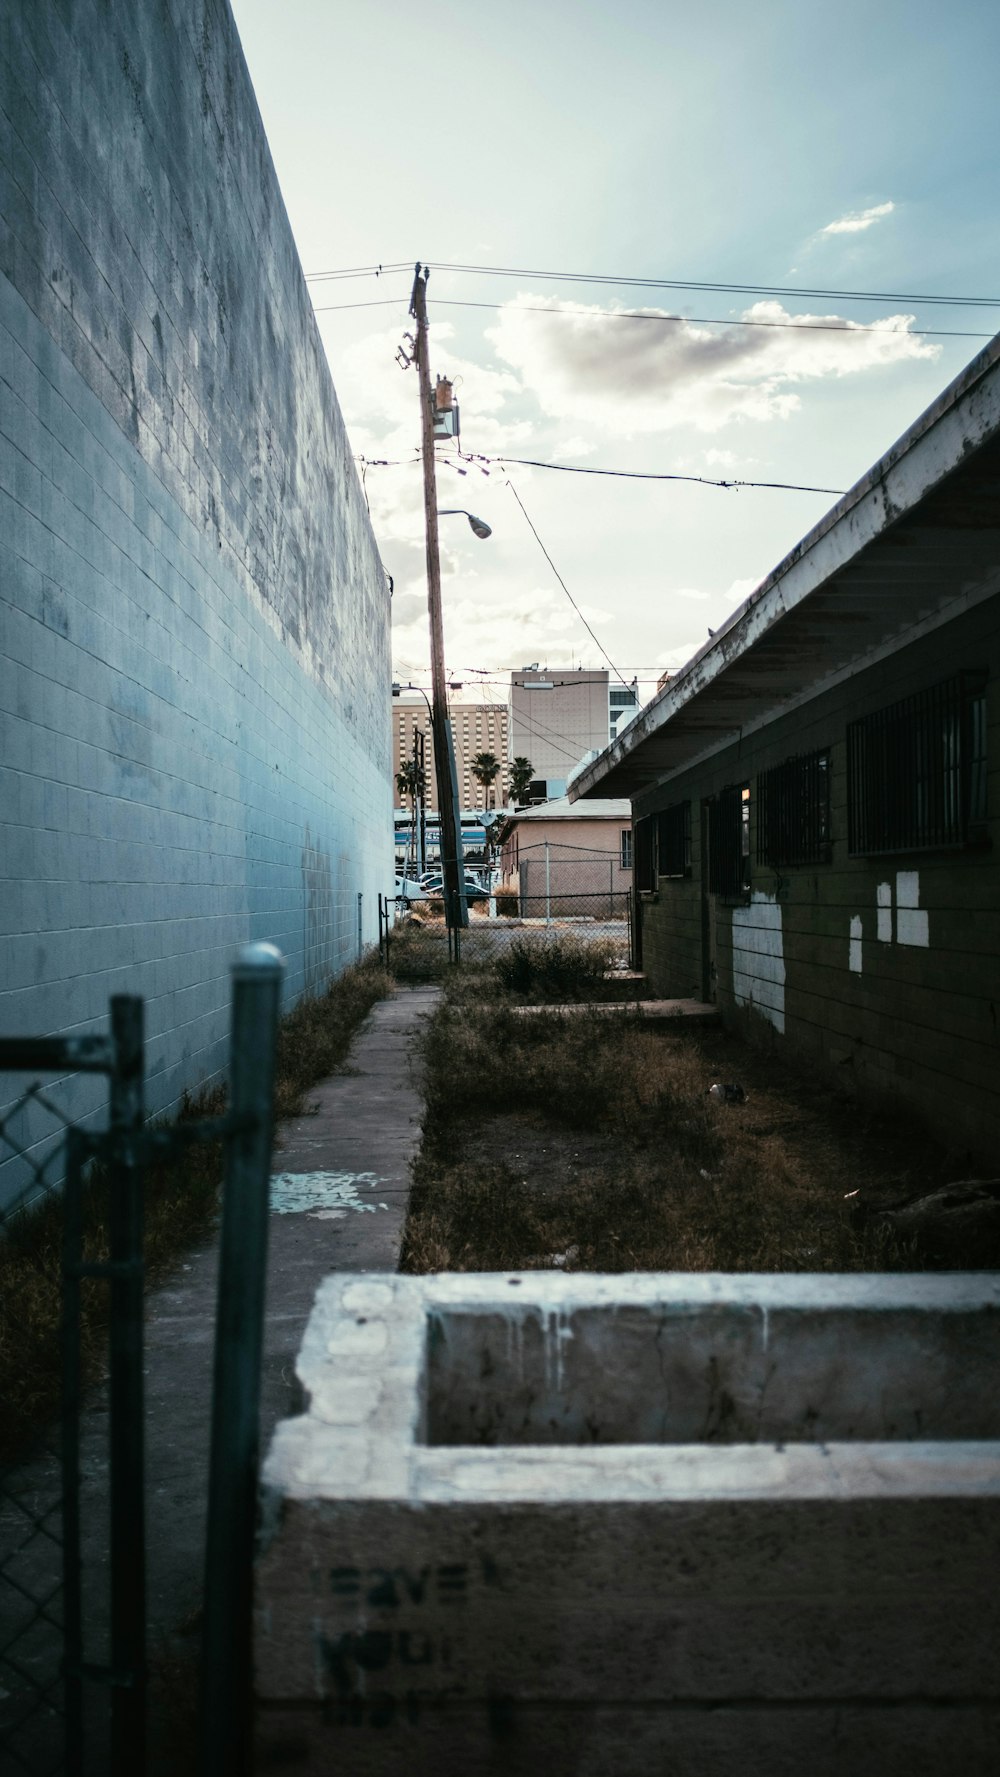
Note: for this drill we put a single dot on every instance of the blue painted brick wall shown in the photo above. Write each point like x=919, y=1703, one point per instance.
x=195, y=742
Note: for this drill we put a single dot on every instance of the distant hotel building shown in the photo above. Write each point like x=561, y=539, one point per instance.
x=558, y=715
x=476, y=727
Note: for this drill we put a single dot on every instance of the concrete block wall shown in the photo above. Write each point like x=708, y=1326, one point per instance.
x=598, y=1526
x=194, y=621
x=881, y=969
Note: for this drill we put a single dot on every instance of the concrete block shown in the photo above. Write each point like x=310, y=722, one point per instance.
x=509, y=1738
x=644, y=1506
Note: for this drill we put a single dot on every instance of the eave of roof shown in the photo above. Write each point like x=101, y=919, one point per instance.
x=615, y=808
x=916, y=537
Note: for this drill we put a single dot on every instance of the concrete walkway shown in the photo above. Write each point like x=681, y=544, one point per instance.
x=363, y=1121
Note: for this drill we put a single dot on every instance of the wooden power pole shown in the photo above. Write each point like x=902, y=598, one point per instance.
x=456, y=910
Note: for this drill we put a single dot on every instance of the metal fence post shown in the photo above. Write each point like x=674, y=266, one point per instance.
x=226, y=1680
x=70, y=1453
x=126, y=1392
x=361, y=942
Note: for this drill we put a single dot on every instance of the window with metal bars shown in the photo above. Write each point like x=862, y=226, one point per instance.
x=793, y=811
x=626, y=848
x=643, y=855
x=916, y=771
x=729, y=843
x=673, y=841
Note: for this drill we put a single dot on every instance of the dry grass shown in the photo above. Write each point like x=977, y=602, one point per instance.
x=560, y=968
x=570, y=1141
x=180, y=1202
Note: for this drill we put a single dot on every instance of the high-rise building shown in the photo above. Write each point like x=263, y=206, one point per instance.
x=623, y=701
x=476, y=728
x=558, y=715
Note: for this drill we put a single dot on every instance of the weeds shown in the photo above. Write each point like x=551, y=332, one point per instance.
x=667, y=1178
x=563, y=968
x=418, y=950
x=180, y=1200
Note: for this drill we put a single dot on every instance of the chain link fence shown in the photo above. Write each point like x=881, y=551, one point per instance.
x=72, y=1502
x=40, y=1699
x=559, y=894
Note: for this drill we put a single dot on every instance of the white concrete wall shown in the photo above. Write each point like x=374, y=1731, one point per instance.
x=194, y=641
x=758, y=959
x=728, y=1527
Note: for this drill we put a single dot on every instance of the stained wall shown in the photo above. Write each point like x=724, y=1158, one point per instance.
x=194, y=621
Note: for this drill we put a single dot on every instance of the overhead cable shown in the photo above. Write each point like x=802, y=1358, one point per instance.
x=565, y=588
x=794, y=487
x=538, y=308
x=645, y=283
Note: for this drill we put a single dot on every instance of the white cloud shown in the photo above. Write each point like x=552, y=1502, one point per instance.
x=856, y=221
x=648, y=372
x=678, y=656
x=481, y=631
x=724, y=602
x=575, y=447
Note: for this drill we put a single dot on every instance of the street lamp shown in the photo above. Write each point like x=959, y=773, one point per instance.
x=478, y=526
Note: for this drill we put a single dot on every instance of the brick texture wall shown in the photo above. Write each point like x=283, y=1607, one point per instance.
x=883, y=969
x=194, y=622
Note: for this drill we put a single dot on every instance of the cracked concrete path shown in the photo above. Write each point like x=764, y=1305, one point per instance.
x=365, y=1121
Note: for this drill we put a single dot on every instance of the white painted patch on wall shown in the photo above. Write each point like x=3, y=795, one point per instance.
x=912, y=925
x=883, y=897
x=854, y=959
x=759, y=959
x=326, y=1196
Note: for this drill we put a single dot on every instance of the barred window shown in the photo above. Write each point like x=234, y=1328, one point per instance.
x=793, y=811
x=916, y=771
x=673, y=841
x=729, y=843
x=626, y=855
x=643, y=858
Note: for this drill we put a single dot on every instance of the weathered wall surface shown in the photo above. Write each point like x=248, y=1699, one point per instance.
x=886, y=969
x=195, y=649
x=603, y=1527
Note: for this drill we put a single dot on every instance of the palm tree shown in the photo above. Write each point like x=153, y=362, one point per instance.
x=408, y=783
x=519, y=777
x=486, y=769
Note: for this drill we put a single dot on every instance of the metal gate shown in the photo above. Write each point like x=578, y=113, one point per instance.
x=73, y=1666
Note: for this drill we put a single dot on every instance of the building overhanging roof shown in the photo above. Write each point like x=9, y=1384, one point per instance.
x=914, y=542
x=615, y=808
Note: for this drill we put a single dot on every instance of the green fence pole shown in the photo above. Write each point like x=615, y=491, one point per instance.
x=126, y=1395
x=227, y=1674
x=70, y=1454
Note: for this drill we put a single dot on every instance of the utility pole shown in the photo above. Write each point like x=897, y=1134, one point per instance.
x=420, y=744
x=456, y=911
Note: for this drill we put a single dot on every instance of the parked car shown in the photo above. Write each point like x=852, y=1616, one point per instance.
x=473, y=892
x=409, y=890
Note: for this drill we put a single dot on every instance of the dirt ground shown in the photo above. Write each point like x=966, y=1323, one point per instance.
x=794, y=1177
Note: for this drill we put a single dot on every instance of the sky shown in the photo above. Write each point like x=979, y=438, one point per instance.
x=793, y=147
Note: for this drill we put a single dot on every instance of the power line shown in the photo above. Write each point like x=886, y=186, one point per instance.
x=360, y=271
x=560, y=277
x=795, y=487
x=565, y=588
x=632, y=282
x=528, y=308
